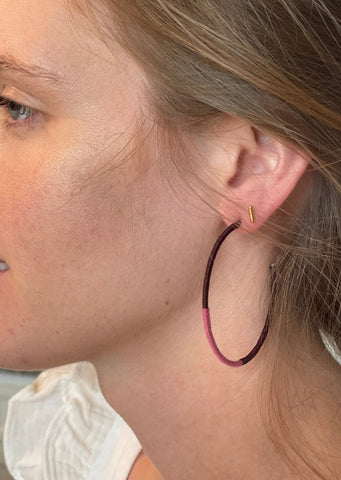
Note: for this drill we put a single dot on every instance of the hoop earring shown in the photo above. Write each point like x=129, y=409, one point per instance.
x=206, y=310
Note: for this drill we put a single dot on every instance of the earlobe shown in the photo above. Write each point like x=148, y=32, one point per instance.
x=267, y=174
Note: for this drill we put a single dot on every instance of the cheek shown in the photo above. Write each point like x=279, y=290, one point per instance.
x=36, y=222
x=55, y=232
x=57, y=239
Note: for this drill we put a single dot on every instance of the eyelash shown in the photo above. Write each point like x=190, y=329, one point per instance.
x=8, y=103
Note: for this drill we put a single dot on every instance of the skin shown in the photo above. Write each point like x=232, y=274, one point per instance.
x=143, y=468
x=107, y=262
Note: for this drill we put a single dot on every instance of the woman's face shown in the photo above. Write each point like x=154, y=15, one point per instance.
x=91, y=234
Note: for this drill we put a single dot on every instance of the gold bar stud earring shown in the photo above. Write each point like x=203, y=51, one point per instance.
x=251, y=215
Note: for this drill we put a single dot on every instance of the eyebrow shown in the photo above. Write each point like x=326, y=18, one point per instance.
x=7, y=62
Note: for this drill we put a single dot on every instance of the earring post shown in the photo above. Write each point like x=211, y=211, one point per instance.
x=252, y=220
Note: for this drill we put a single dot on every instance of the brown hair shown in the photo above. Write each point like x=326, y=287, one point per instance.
x=277, y=65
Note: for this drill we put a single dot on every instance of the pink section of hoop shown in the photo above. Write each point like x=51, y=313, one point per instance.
x=208, y=330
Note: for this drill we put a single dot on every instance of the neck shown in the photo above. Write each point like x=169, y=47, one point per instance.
x=197, y=418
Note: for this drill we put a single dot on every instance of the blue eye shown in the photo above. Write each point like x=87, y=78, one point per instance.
x=20, y=114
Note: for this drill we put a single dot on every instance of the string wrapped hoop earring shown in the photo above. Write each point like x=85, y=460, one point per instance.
x=206, y=310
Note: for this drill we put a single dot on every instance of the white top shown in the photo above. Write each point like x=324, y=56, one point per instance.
x=60, y=427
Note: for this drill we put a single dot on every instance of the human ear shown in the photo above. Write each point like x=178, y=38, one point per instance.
x=265, y=172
